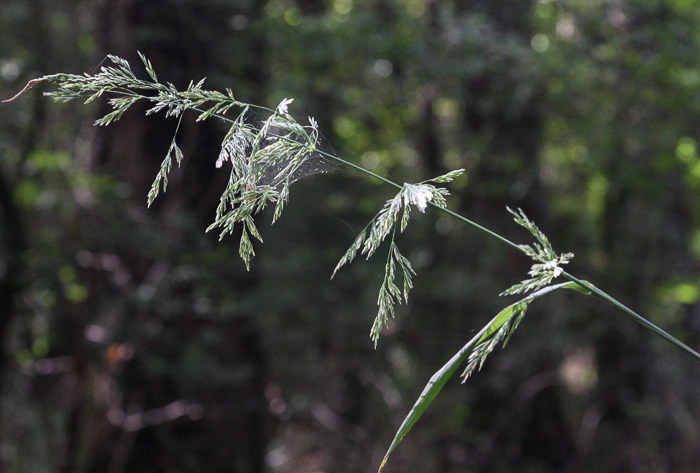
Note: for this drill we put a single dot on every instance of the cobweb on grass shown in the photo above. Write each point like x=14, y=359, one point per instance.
x=315, y=164
x=273, y=174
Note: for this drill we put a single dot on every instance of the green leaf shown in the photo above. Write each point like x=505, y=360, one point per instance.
x=440, y=378
x=579, y=288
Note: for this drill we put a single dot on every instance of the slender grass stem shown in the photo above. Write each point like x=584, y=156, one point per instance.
x=359, y=168
x=477, y=226
x=635, y=316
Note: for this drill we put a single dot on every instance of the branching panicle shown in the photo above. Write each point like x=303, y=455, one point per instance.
x=389, y=293
x=162, y=176
x=369, y=240
x=548, y=263
x=265, y=160
x=264, y=164
x=352, y=251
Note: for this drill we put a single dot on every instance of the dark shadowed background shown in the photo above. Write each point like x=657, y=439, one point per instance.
x=132, y=341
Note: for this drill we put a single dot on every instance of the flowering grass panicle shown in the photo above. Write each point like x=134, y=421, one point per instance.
x=266, y=158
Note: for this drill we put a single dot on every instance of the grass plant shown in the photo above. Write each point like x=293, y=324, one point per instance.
x=266, y=158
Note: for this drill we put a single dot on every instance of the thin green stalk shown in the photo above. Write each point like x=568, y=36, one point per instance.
x=635, y=316
x=359, y=168
x=477, y=226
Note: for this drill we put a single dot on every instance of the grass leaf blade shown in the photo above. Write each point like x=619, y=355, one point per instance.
x=440, y=378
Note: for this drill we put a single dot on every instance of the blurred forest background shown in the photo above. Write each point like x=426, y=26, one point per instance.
x=134, y=342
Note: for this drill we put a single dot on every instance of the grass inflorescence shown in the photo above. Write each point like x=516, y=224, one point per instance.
x=265, y=158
